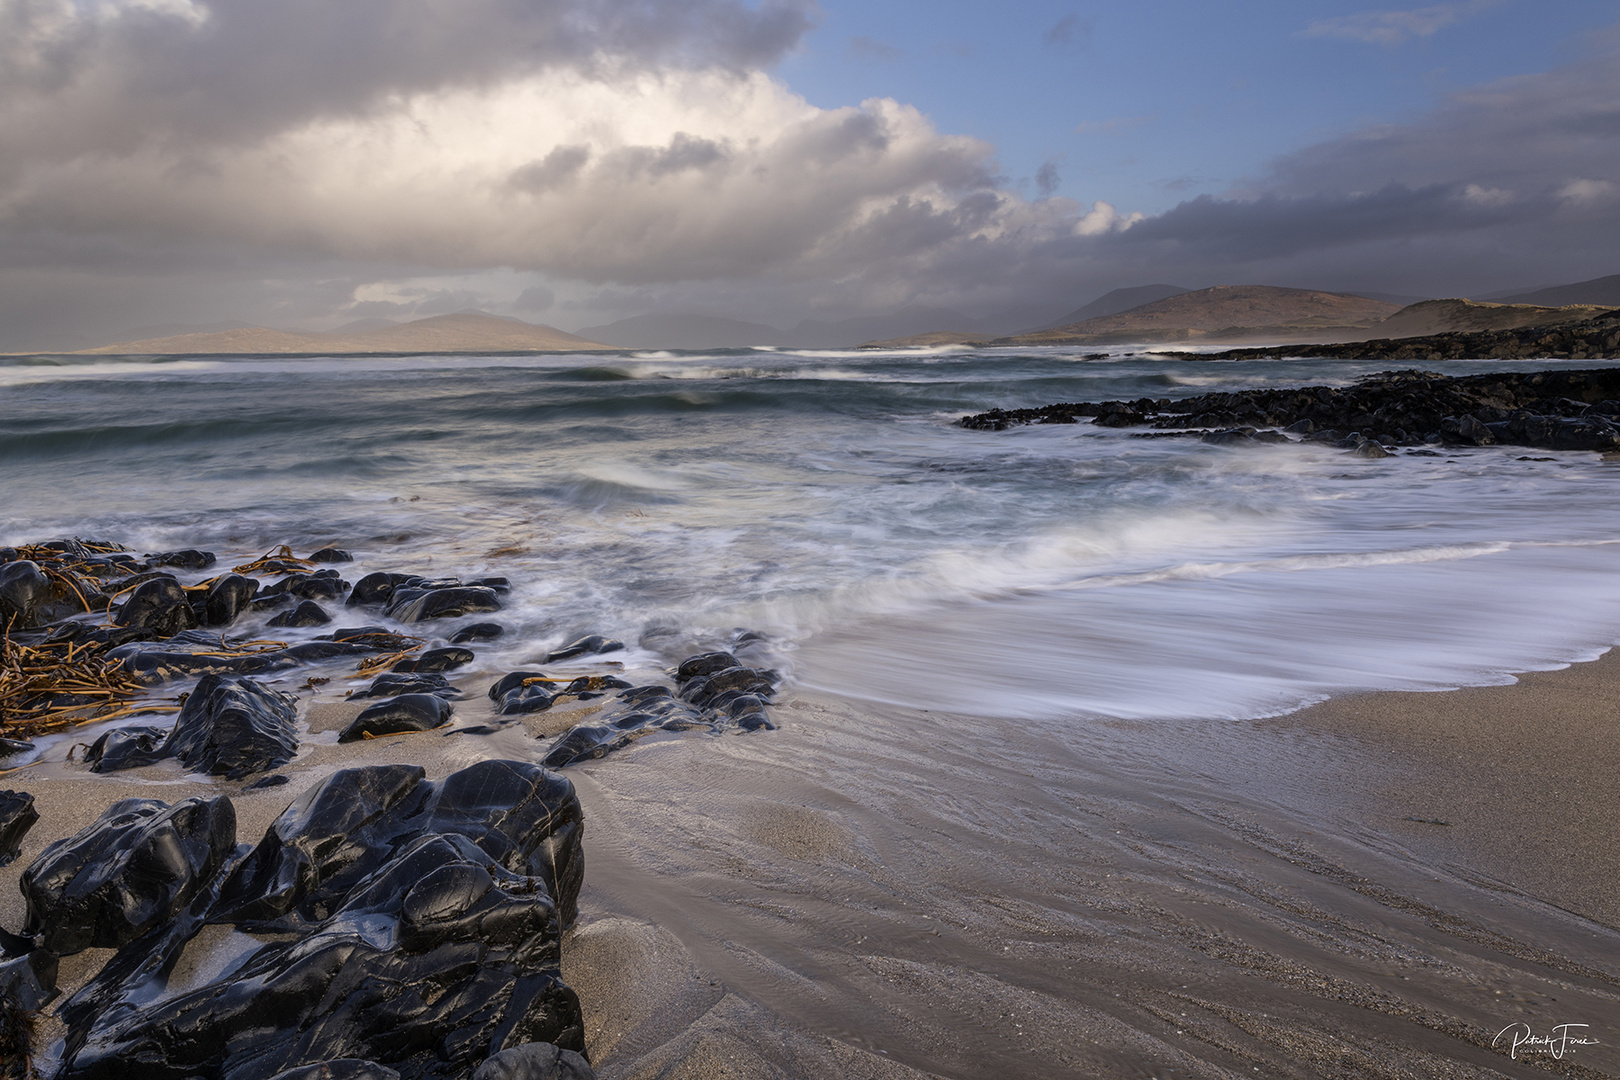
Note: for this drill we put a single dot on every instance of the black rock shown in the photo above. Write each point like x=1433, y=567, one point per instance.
x=377, y=588
x=339, y=1069
x=394, y=683
x=483, y=631
x=415, y=603
x=431, y=963
x=140, y=863
x=17, y=816
x=160, y=605
x=702, y=690
x=321, y=585
x=522, y=692
x=234, y=728
x=126, y=748
x=535, y=1061
x=8, y=747
x=308, y=613
x=189, y=559
x=377, y=637
x=228, y=597
x=435, y=660
x=585, y=646
x=396, y=715
x=23, y=586
x=273, y=780
x=230, y=727
x=704, y=664
x=27, y=982
x=192, y=653
x=331, y=555
x=1370, y=449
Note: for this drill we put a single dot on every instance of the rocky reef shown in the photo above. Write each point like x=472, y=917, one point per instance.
x=1549, y=410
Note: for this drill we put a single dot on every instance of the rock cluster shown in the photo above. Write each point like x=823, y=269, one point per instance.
x=1551, y=410
x=408, y=928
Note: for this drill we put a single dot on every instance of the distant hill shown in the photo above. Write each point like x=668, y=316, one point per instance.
x=671, y=330
x=1448, y=316
x=1112, y=303
x=465, y=331
x=1603, y=291
x=1225, y=312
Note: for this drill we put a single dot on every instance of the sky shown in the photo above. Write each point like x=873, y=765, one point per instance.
x=303, y=163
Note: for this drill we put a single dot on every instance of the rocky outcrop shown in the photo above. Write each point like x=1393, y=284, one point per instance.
x=1553, y=410
x=1589, y=339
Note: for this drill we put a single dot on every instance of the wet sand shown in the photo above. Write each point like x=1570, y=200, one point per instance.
x=886, y=893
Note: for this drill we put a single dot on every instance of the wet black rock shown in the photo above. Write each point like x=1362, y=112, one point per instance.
x=192, y=653
x=377, y=637
x=234, y=728
x=331, y=555
x=126, y=748
x=8, y=747
x=483, y=631
x=159, y=604
x=339, y=1069
x=535, y=1061
x=189, y=559
x=393, y=683
x=704, y=664
x=231, y=727
x=27, y=982
x=419, y=603
x=228, y=597
x=308, y=613
x=17, y=816
x=23, y=586
x=396, y=715
x=522, y=692
x=320, y=585
x=591, y=645
x=435, y=660
x=377, y=588
x=133, y=869
x=273, y=780
x=419, y=928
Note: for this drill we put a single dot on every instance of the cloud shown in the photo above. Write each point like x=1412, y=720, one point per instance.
x=865, y=48
x=1047, y=178
x=1390, y=28
x=1069, y=30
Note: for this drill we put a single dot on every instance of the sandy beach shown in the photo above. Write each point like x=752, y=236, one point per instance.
x=874, y=892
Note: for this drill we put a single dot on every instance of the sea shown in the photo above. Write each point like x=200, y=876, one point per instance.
x=830, y=501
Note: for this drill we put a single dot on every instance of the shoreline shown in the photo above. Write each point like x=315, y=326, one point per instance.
x=875, y=891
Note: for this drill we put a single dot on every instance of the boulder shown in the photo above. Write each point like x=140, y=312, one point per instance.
x=308, y=613
x=436, y=660
x=590, y=645
x=397, y=715
x=522, y=692
x=331, y=555
x=126, y=748
x=17, y=816
x=234, y=727
x=130, y=871
x=415, y=603
x=160, y=605
x=320, y=585
x=394, y=683
x=23, y=586
x=228, y=597
x=377, y=588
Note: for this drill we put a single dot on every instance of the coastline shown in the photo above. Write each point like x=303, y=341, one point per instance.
x=880, y=892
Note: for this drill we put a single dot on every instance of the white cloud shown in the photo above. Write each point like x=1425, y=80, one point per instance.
x=1390, y=28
